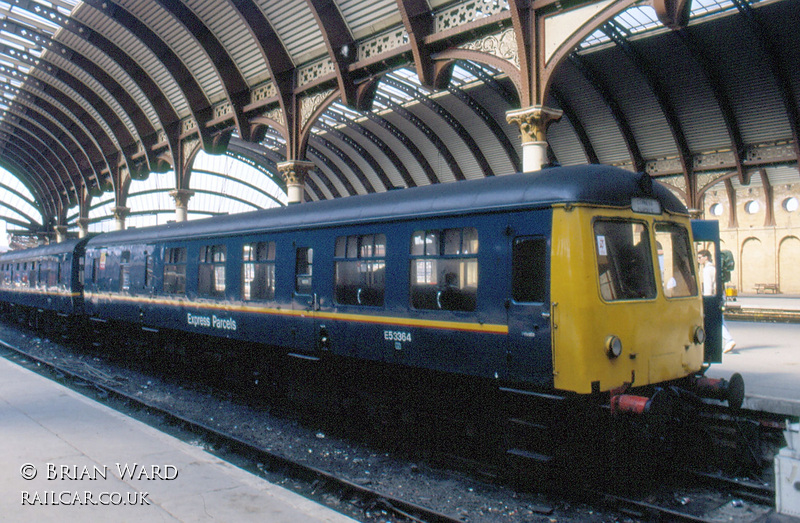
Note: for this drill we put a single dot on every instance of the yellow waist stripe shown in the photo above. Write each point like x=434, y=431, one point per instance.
x=488, y=328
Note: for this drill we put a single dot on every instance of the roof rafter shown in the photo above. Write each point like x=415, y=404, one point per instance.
x=235, y=86
x=617, y=113
x=41, y=135
x=199, y=105
x=340, y=44
x=277, y=59
x=613, y=31
x=48, y=116
x=21, y=157
x=56, y=165
x=146, y=132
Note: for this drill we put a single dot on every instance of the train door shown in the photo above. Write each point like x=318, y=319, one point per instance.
x=528, y=354
x=706, y=236
x=305, y=303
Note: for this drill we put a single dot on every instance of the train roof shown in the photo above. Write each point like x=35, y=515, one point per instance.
x=592, y=184
x=43, y=250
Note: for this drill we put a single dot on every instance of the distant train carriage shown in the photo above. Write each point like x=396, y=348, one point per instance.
x=46, y=278
x=580, y=279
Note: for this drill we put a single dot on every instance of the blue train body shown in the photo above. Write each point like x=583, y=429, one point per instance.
x=452, y=278
x=47, y=278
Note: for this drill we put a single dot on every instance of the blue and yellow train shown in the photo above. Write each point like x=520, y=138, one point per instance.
x=573, y=279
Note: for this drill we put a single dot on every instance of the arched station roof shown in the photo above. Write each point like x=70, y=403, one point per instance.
x=381, y=94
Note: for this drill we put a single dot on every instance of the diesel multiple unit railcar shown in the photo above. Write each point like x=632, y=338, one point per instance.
x=46, y=278
x=573, y=279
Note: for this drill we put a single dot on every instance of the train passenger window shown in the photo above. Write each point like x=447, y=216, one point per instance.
x=63, y=272
x=258, y=271
x=211, y=271
x=360, y=270
x=148, y=270
x=304, y=261
x=529, y=271
x=624, y=260
x=444, y=269
x=50, y=274
x=95, y=269
x=675, y=260
x=175, y=270
x=125, y=271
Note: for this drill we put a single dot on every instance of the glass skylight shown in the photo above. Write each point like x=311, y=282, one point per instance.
x=222, y=185
x=17, y=203
x=637, y=20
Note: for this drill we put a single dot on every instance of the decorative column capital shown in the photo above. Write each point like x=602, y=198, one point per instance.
x=83, y=227
x=533, y=121
x=294, y=173
x=120, y=213
x=181, y=197
x=61, y=233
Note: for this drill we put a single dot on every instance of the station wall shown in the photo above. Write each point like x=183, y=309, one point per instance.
x=766, y=248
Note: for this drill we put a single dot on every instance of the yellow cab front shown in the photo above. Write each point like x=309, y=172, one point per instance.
x=626, y=309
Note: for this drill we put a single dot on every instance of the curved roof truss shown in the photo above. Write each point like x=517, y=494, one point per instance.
x=385, y=94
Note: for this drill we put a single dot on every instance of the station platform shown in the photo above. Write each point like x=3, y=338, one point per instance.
x=788, y=302
x=778, y=308
x=767, y=352
x=67, y=458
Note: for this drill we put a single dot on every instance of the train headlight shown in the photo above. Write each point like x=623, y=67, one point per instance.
x=613, y=346
x=699, y=335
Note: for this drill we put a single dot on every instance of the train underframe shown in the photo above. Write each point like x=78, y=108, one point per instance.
x=524, y=434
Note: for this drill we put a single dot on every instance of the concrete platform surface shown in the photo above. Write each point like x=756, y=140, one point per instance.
x=67, y=458
x=767, y=355
x=788, y=302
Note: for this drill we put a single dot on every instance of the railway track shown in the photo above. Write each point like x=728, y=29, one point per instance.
x=317, y=481
x=750, y=496
x=730, y=451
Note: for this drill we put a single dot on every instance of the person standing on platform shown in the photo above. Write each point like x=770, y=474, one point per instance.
x=709, y=289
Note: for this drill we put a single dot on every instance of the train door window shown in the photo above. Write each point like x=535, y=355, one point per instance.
x=125, y=271
x=211, y=271
x=360, y=270
x=304, y=261
x=51, y=281
x=95, y=269
x=175, y=270
x=529, y=271
x=444, y=269
x=675, y=260
x=624, y=260
x=148, y=270
x=258, y=271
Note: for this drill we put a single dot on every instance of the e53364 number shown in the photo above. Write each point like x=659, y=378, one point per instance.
x=397, y=335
